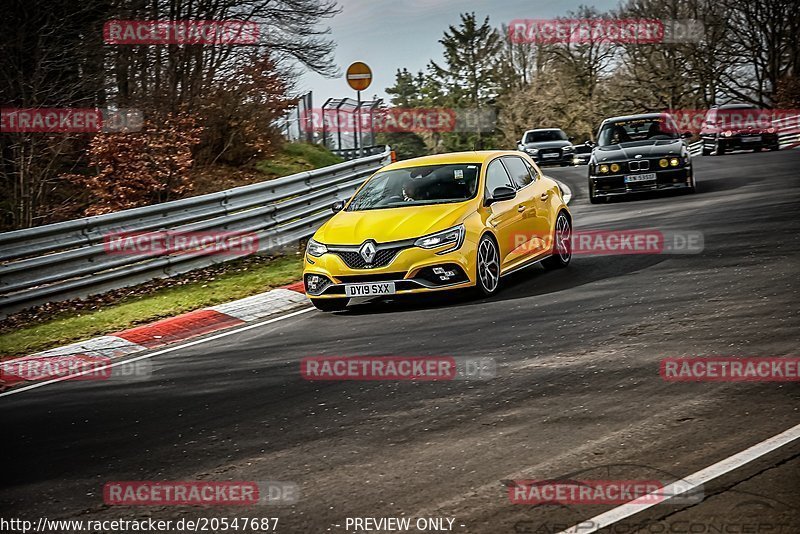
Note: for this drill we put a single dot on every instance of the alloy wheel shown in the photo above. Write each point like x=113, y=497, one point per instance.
x=488, y=266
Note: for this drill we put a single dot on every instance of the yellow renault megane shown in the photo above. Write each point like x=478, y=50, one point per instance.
x=435, y=223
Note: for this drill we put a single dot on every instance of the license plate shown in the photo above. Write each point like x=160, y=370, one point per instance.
x=753, y=139
x=550, y=155
x=633, y=178
x=368, y=290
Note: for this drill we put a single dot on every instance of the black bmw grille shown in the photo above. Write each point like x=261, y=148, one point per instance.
x=383, y=257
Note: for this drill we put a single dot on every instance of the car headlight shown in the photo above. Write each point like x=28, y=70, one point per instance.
x=316, y=249
x=602, y=169
x=568, y=148
x=532, y=151
x=663, y=163
x=614, y=167
x=727, y=133
x=674, y=162
x=452, y=236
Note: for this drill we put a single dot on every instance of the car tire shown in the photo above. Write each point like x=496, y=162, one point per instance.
x=487, y=267
x=330, y=305
x=562, y=244
x=592, y=198
x=706, y=152
x=719, y=150
x=692, y=188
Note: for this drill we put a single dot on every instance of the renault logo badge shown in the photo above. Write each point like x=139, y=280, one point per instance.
x=368, y=251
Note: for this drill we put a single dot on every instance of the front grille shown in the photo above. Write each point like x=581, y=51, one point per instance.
x=639, y=165
x=543, y=151
x=383, y=257
x=361, y=278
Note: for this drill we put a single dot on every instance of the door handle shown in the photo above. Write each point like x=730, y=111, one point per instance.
x=521, y=208
x=544, y=196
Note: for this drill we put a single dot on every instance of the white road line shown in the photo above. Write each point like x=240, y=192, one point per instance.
x=152, y=354
x=686, y=484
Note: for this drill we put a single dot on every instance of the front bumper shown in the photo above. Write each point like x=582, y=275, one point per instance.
x=614, y=185
x=741, y=141
x=564, y=158
x=411, y=270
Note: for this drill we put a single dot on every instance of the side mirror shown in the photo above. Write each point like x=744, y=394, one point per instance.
x=571, y=138
x=337, y=206
x=686, y=135
x=501, y=193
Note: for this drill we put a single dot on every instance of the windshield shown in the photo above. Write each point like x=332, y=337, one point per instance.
x=545, y=135
x=633, y=130
x=415, y=186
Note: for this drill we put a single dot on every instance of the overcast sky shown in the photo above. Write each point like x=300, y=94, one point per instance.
x=392, y=34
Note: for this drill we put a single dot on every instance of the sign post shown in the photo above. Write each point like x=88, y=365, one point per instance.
x=359, y=77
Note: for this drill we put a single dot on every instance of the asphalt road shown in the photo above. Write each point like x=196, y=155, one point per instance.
x=577, y=391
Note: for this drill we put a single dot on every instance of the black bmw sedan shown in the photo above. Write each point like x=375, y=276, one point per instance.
x=638, y=153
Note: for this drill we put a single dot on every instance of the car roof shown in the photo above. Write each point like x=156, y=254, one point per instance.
x=544, y=130
x=737, y=106
x=634, y=117
x=476, y=156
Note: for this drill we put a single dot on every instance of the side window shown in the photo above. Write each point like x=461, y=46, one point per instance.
x=519, y=172
x=532, y=170
x=496, y=176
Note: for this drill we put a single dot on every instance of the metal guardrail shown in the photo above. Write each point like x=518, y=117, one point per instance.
x=785, y=140
x=353, y=153
x=69, y=259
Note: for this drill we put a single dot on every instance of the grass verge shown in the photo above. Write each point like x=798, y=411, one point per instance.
x=249, y=278
x=297, y=157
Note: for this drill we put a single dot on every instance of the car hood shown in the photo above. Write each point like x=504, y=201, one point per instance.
x=647, y=149
x=548, y=144
x=390, y=224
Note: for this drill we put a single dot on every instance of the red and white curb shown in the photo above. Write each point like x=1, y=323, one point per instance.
x=161, y=333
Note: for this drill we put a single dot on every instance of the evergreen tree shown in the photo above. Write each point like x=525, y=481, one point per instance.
x=470, y=50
